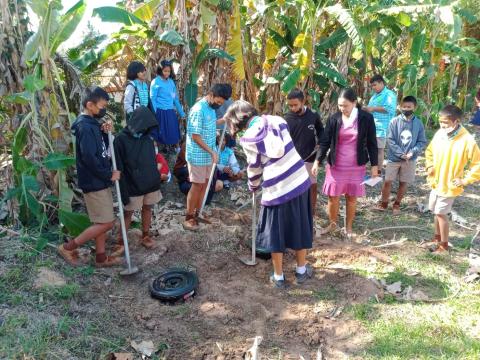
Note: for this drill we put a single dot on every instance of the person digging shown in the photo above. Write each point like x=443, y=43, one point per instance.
x=140, y=183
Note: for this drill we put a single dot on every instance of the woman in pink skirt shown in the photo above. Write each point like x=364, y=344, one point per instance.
x=349, y=142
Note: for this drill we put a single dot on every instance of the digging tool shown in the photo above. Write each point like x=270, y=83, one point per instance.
x=130, y=270
x=212, y=172
x=253, y=260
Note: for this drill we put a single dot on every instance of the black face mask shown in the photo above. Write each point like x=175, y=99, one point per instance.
x=214, y=106
x=407, y=113
x=101, y=113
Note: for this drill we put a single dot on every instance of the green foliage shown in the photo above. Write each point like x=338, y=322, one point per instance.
x=172, y=37
x=116, y=15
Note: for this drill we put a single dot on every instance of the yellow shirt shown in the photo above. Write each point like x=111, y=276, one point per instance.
x=452, y=158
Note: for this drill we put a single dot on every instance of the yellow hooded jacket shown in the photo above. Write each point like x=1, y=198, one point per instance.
x=452, y=158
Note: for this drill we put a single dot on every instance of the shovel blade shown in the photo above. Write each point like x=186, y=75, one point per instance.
x=248, y=261
x=127, y=271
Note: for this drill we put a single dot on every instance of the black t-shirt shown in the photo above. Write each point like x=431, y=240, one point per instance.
x=306, y=131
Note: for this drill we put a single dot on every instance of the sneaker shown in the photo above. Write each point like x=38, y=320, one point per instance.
x=70, y=256
x=118, y=250
x=109, y=262
x=190, y=223
x=301, y=278
x=148, y=242
x=278, y=284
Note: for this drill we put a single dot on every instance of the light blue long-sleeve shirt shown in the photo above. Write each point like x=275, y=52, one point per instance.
x=164, y=95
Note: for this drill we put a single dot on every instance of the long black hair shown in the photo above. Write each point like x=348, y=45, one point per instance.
x=133, y=69
x=163, y=64
x=238, y=115
x=350, y=95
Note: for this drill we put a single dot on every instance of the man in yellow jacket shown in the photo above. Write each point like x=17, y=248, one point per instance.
x=452, y=162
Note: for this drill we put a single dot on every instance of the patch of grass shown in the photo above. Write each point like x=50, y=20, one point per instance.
x=326, y=293
x=60, y=293
x=85, y=271
x=363, y=312
x=402, y=340
x=399, y=275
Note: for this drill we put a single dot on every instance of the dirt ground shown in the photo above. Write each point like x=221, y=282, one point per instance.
x=234, y=303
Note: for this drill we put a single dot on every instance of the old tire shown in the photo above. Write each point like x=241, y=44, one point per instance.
x=174, y=285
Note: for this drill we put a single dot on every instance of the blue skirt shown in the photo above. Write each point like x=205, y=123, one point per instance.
x=286, y=226
x=168, y=130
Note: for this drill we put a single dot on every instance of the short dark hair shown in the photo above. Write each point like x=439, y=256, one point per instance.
x=133, y=69
x=348, y=94
x=94, y=94
x=410, y=99
x=296, y=94
x=238, y=115
x=377, y=78
x=228, y=90
x=451, y=112
x=219, y=90
x=163, y=64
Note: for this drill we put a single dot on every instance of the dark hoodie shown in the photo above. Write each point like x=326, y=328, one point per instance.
x=93, y=162
x=135, y=155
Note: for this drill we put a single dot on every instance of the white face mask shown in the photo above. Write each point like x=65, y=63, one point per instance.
x=448, y=130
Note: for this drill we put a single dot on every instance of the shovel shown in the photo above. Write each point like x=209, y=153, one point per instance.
x=130, y=270
x=253, y=260
x=212, y=172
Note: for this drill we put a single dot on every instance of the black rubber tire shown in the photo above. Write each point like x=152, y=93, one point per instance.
x=174, y=285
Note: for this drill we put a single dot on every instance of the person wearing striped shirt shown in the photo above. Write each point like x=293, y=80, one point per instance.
x=274, y=165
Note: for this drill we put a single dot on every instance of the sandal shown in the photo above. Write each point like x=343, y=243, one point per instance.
x=190, y=223
x=381, y=206
x=70, y=256
x=148, y=242
x=109, y=262
x=396, y=209
x=118, y=250
x=329, y=229
x=204, y=219
x=439, y=248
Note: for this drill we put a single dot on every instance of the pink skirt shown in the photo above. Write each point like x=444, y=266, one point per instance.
x=344, y=181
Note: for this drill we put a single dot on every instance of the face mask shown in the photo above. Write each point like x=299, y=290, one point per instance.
x=214, y=106
x=101, y=113
x=449, y=130
x=407, y=113
x=300, y=111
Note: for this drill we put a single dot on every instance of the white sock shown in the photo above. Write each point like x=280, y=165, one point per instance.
x=301, y=269
x=277, y=277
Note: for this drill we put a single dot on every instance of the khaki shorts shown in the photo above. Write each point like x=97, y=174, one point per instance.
x=199, y=174
x=440, y=205
x=309, y=166
x=100, y=206
x=403, y=170
x=136, y=202
x=381, y=142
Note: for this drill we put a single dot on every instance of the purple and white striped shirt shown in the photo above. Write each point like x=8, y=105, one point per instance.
x=271, y=157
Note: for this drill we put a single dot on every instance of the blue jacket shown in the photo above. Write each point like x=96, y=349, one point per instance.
x=93, y=162
x=476, y=118
x=405, y=136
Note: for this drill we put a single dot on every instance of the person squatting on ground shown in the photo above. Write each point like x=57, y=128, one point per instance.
x=136, y=91
x=200, y=151
x=95, y=178
x=349, y=142
x=180, y=171
x=140, y=182
x=164, y=98
x=452, y=161
x=383, y=107
x=228, y=167
x=285, y=219
x=306, y=129
x=406, y=140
